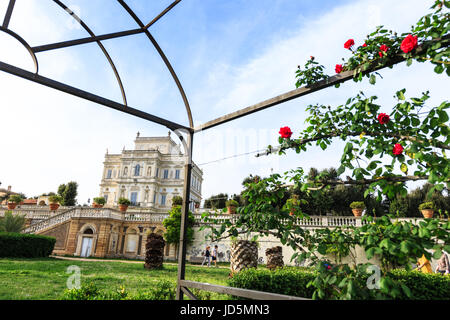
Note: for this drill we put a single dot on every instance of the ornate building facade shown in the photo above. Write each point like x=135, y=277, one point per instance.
x=149, y=176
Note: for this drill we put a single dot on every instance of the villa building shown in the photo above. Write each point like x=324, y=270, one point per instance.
x=149, y=176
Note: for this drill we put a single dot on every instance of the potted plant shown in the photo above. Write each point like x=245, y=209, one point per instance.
x=197, y=204
x=54, y=201
x=99, y=202
x=427, y=209
x=13, y=201
x=357, y=208
x=123, y=204
x=231, y=206
x=177, y=201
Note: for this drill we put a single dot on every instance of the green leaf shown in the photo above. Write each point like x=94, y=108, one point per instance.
x=372, y=79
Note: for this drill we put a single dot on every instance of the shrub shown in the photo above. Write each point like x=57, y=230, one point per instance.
x=232, y=203
x=100, y=200
x=55, y=199
x=163, y=290
x=15, y=199
x=12, y=223
x=294, y=281
x=357, y=205
x=17, y=245
x=177, y=201
x=423, y=286
x=288, y=281
x=426, y=205
x=124, y=201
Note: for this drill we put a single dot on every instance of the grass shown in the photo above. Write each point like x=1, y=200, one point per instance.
x=46, y=278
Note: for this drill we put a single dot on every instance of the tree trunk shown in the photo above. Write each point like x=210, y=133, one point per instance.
x=244, y=255
x=275, y=258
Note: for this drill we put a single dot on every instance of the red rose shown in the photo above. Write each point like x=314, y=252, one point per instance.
x=398, y=149
x=380, y=54
x=338, y=68
x=384, y=48
x=364, y=45
x=285, y=132
x=349, y=43
x=409, y=43
x=383, y=118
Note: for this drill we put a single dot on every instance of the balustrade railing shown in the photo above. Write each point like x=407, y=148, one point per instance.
x=43, y=218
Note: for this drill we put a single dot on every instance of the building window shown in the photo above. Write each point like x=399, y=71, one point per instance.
x=154, y=197
x=106, y=197
x=137, y=170
x=166, y=174
x=163, y=200
x=133, y=198
x=157, y=172
x=177, y=174
x=109, y=174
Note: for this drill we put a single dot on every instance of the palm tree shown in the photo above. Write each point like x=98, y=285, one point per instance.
x=12, y=223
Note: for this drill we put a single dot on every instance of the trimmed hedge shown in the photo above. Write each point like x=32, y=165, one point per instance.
x=19, y=245
x=287, y=281
x=292, y=281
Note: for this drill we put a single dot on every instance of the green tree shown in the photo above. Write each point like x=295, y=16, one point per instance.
x=69, y=194
x=216, y=201
x=173, y=226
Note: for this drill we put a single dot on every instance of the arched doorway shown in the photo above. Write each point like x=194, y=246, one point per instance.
x=87, y=237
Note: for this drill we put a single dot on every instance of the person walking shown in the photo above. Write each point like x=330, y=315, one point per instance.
x=443, y=265
x=207, y=256
x=214, y=255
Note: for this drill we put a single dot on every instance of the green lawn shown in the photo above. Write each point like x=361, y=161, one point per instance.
x=46, y=278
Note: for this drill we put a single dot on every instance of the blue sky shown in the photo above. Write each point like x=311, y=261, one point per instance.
x=227, y=54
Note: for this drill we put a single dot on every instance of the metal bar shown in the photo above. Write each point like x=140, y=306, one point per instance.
x=70, y=43
x=105, y=52
x=184, y=216
x=164, y=58
x=88, y=96
x=238, y=292
x=8, y=13
x=25, y=44
x=336, y=79
x=189, y=293
x=159, y=16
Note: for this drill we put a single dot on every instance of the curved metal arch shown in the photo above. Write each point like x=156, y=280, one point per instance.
x=25, y=44
x=105, y=52
x=163, y=57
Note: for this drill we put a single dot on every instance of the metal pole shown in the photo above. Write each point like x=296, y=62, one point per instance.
x=184, y=216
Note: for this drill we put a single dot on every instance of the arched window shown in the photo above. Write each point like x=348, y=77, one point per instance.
x=137, y=170
x=88, y=231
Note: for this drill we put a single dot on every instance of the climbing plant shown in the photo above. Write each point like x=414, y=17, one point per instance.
x=414, y=141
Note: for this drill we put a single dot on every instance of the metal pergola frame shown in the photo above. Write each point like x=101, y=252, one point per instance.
x=183, y=285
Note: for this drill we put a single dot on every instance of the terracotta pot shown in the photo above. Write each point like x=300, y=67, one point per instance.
x=96, y=205
x=427, y=213
x=231, y=210
x=54, y=206
x=12, y=205
x=357, y=212
x=123, y=207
